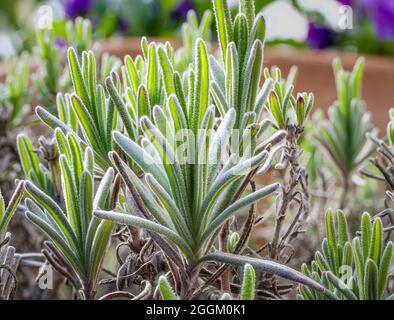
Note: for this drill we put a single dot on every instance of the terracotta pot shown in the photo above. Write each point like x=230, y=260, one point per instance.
x=315, y=73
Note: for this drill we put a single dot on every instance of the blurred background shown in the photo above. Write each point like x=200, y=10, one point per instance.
x=317, y=24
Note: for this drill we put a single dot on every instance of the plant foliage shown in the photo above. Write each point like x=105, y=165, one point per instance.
x=343, y=136
x=351, y=269
x=79, y=239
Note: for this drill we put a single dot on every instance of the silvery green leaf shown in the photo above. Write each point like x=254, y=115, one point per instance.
x=248, y=283
x=126, y=219
x=166, y=291
x=6, y=213
x=340, y=286
x=232, y=209
x=384, y=268
x=265, y=266
x=201, y=86
x=223, y=24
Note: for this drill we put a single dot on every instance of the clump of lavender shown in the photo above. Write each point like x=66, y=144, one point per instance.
x=351, y=268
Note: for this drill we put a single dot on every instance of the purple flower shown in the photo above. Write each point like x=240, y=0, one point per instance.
x=75, y=8
x=60, y=43
x=382, y=15
x=319, y=37
x=123, y=25
x=182, y=9
x=346, y=2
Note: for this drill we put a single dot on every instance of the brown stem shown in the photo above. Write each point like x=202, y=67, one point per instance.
x=346, y=188
x=145, y=293
x=11, y=293
x=225, y=283
x=88, y=292
x=53, y=165
x=239, y=248
x=189, y=281
x=176, y=274
x=117, y=294
x=298, y=178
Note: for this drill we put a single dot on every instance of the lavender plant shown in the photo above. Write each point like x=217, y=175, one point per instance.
x=78, y=239
x=108, y=64
x=14, y=94
x=47, y=79
x=286, y=110
x=380, y=169
x=236, y=77
x=236, y=82
x=175, y=214
x=343, y=136
x=40, y=165
x=89, y=104
x=191, y=31
x=187, y=202
x=382, y=164
x=50, y=79
x=14, y=97
x=87, y=113
x=356, y=269
x=79, y=34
